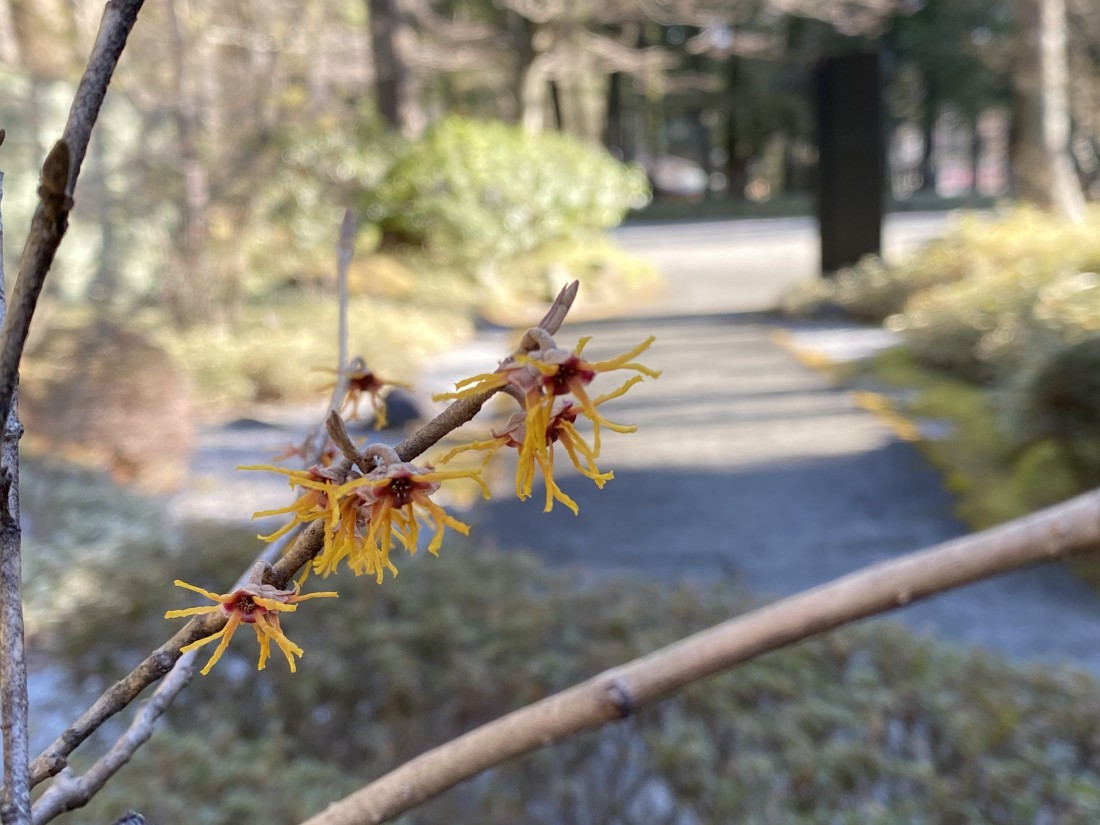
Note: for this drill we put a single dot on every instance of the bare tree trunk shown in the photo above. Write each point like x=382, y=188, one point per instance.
x=396, y=94
x=613, y=132
x=188, y=293
x=1041, y=160
x=104, y=285
x=928, y=140
x=556, y=105
x=530, y=85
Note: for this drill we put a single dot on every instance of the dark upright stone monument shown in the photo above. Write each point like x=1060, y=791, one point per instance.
x=851, y=159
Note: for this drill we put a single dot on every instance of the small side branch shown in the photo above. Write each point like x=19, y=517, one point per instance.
x=55, y=758
x=1049, y=534
x=71, y=792
x=345, y=251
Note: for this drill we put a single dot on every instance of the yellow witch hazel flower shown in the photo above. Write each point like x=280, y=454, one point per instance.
x=386, y=504
x=364, y=513
x=561, y=372
x=558, y=429
x=256, y=604
x=319, y=483
x=542, y=377
x=364, y=382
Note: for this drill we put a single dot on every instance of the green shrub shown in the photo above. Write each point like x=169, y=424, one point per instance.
x=274, y=351
x=873, y=290
x=323, y=168
x=984, y=299
x=865, y=725
x=1030, y=287
x=481, y=191
x=1060, y=401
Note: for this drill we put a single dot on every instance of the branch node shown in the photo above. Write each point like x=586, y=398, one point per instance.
x=338, y=432
x=621, y=698
x=55, y=182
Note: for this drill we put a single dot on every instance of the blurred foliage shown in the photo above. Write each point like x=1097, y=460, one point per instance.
x=102, y=395
x=471, y=201
x=1059, y=402
x=961, y=294
x=992, y=478
x=872, y=290
x=1029, y=285
x=999, y=323
x=278, y=350
x=866, y=725
x=518, y=290
x=324, y=166
x=482, y=191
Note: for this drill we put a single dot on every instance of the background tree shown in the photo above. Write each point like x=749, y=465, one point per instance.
x=1042, y=162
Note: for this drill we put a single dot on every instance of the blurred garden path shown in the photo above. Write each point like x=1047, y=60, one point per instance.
x=751, y=467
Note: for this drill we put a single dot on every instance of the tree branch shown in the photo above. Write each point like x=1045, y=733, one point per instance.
x=59, y=175
x=619, y=692
x=308, y=544
x=15, y=803
x=345, y=250
x=68, y=793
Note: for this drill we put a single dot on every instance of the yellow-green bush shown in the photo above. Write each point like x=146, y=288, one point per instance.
x=1029, y=286
x=276, y=351
x=974, y=301
x=484, y=190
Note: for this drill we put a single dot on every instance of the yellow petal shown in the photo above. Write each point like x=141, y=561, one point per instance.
x=192, y=611
x=212, y=596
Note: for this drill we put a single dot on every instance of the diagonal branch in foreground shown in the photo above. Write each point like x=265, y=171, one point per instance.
x=1049, y=534
x=309, y=543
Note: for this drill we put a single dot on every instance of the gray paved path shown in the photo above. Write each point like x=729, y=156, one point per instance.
x=750, y=467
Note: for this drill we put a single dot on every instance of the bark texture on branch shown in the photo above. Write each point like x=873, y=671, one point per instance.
x=15, y=802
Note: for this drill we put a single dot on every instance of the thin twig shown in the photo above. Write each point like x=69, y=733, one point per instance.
x=59, y=175
x=308, y=544
x=15, y=804
x=55, y=757
x=614, y=694
x=68, y=793
x=345, y=250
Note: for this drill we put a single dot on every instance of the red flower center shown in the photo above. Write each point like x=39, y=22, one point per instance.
x=401, y=491
x=246, y=606
x=569, y=374
x=365, y=382
x=566, y=414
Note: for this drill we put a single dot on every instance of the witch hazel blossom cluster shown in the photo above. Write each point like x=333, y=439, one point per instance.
x=373, y=502
x=551, y=386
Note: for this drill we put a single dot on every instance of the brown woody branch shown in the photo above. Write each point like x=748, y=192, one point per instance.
x=68, y=793
x=616, y=693
x=15, y=802
x=309, y=543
